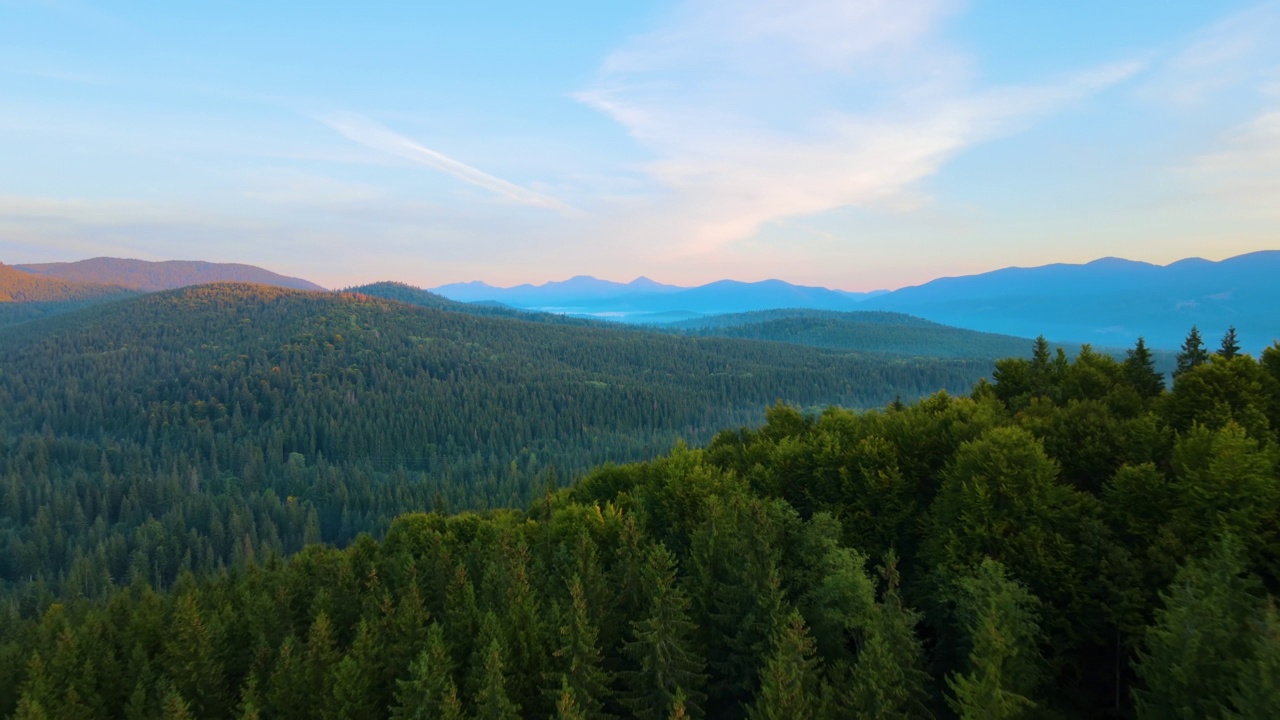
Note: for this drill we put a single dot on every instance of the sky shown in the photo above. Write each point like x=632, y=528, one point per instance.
x=853, y=144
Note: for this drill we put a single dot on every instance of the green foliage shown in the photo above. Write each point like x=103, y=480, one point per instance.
x=998, y=617
x=788, y=684
x=1024, y=538
x=1192, y=354
x=217, y=425
x=1201, y=645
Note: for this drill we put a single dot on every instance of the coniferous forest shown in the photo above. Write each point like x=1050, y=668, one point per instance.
x=251, y=503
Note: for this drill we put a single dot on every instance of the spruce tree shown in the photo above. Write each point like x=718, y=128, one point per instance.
x=889, y=681
x=1140, y=371
x=1003, y=670
x=579, y=654
x=1190, y=663
x=429, y=692
x=190, y=663
x=1257, y=695
x=566, y=707
x=1230, y=345
x=663, y=646
x=789, y=682
x=491, y=700
x=1192, y=353
x=355, y=679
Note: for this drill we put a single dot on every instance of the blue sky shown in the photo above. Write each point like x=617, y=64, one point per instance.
x=855, y=143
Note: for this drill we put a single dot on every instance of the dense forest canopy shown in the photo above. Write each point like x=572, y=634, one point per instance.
x=1071, y=539
x=196, y=428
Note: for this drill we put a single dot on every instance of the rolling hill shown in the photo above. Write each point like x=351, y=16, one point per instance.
x=879, y=332
x=308, y=415
x=168, y=275
x=24, y=296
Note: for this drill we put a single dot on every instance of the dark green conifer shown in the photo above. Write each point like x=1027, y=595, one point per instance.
x=1140, y=371
x=579, y=654
x=789, y=680
x=429, y=692
x=1004, y=668
x=1192, y=353
x=491, y=700
x=1190, y=663
x=663, y=646
x=1230, y=345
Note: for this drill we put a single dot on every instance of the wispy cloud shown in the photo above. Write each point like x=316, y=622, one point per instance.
x=761, y=110
x=375, y=136
x=1245, y=170
x=1239, y=50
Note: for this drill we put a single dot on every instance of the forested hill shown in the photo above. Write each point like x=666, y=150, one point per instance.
x=24, y=296
x=401, y=292
x=295, y=416
x=166, y=275
x=884, y=332
x=1070, y=541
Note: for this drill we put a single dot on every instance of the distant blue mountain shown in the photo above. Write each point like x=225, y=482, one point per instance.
x=1109, y=301
x=643, y=300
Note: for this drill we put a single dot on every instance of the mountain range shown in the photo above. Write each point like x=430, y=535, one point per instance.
x=1107, y=302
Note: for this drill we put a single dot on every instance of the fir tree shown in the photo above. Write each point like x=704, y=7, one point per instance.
x=1003, y=669
x=566, y=707
x=1257, y=695
x=1190, y=662
x=1140, y=371
x=1192, y=353
x=1230, y=345
x=789, y=683
x=889, y=681
x=492, y=702
x=663, y=646
x=579, y=653
x=429, y=692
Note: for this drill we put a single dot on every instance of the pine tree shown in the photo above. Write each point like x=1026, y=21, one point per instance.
x=492, y=702
x=1230, y=345
x=320, y=663
x=1140, y=371
x=429, y=692
x=566, y=707
x=190, y=662
x=789, y=683
x=663, y=646
x=1192, y=354
x=1257, y=695
x=580, y=654
x=1190, y=664
x=1004, y=665
x=174, y=707
x=355, y=679
x=889, y=681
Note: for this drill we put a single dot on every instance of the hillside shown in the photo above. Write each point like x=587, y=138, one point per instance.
x=401, y=292
x=24, y=296
x=879, y=332
x=322, y=415
x=167, y=275
x=1109, y=301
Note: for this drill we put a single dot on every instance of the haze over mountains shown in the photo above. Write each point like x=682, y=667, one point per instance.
x=1108, y=302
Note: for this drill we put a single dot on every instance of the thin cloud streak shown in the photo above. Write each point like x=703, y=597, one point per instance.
x=858, y=104
x=377, y=137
